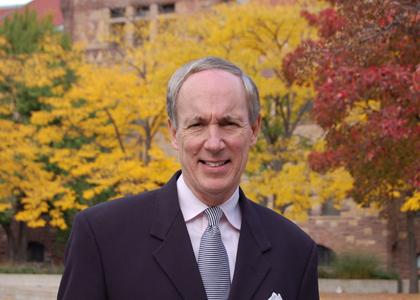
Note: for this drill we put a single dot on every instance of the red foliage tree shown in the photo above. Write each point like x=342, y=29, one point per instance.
x=366, y=65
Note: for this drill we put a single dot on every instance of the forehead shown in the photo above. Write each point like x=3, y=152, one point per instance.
x=213, y=77
x=208, y=89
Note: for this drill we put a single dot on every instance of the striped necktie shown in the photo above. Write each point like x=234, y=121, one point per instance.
x=213, y=261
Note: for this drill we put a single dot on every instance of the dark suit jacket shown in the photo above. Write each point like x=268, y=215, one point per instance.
x=139, y=248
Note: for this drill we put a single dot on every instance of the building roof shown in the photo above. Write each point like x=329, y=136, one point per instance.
x=42, y=7
x=4, y=12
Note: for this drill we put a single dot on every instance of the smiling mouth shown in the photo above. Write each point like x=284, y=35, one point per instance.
x=215, y=163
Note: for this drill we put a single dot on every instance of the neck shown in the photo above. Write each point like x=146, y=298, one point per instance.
x=213, y=198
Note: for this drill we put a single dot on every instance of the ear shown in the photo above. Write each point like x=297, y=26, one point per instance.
x=256, y=127
x=172, y=131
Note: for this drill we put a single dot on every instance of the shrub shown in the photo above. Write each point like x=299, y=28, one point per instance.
x=355, y=266
x=31, y=268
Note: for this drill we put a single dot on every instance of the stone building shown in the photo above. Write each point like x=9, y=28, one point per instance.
x=43, y=9
x=353, y=229
x=91, y=22
x=42, y=245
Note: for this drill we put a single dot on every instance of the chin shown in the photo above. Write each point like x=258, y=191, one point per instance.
x=219, y=188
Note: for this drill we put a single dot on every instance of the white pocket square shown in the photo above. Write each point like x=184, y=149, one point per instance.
x=275, y=296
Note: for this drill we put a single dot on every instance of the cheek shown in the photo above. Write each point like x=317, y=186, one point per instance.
x=242, y=141
x=190, y=145
x=240, y=147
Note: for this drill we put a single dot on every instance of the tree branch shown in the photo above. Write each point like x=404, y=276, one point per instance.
x=117, y=132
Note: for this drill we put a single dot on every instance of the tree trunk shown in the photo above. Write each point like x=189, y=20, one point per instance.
x=22, y=242
x=16, y=242
x=270, y=202
x=412, y=253
x=147, y=144
x=10, y=241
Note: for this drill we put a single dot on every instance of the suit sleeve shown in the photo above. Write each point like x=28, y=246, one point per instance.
x=309, y=286
x=83, y=276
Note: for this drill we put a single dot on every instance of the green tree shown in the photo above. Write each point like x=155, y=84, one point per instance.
x=25, y=31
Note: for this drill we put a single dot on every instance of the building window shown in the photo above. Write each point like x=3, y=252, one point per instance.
x=418, y=262
x=142, y=11
x=35, y=252
x=328, y=209
x=325, y=255
x=141, y=32
x=166, y=8
x=117, y=12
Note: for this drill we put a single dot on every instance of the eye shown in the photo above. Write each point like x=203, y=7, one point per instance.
x=230, y=124
x=195, y=125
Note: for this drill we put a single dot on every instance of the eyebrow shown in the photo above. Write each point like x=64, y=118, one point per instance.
x=229, y=119
x=225, y=119
x=196, y=119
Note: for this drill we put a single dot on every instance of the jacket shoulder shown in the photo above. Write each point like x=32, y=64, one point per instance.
x=121, y=210
x=278, y=227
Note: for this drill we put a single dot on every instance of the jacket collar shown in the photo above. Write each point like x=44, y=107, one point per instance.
x=176, y=257
x=251, y=264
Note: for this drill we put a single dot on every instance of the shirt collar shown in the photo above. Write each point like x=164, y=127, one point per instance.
x=191, y=206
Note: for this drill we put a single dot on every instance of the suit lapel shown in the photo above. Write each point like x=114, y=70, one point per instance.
x=251, y=266
x=175, y=254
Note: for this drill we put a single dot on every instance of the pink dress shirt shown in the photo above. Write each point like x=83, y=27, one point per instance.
x=230, y=224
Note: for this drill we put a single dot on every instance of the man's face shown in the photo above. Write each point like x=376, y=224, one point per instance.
x=213, y=134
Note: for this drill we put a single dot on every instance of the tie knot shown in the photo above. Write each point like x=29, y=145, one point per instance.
x=213, y=215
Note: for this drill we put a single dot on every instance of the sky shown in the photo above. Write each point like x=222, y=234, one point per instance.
x=13, y=2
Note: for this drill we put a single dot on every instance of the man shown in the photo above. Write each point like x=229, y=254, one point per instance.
x=197, y=237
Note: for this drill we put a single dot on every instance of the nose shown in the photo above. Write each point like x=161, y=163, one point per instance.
x=214, y=141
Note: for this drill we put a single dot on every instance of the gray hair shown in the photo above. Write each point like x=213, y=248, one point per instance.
x=209, y=63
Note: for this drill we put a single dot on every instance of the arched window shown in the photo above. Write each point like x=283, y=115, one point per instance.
x=35, y=252
x=418, y=263
x=328, y=209
x=325, y=255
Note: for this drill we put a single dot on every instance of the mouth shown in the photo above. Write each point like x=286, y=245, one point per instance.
x=214, y=164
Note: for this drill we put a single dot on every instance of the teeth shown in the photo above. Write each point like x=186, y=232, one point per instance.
x=215, y=164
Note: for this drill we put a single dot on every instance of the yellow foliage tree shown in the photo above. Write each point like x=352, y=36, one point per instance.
x=30, y=193
x=112, y=113
x=117, y=113
x=90, y=140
